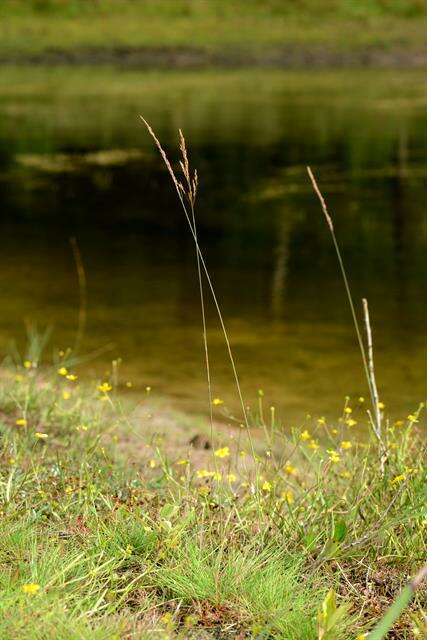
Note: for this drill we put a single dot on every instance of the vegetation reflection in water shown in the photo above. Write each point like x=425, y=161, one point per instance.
x=75, y=162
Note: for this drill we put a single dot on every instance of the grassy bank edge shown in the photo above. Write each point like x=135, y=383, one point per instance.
x=181, y=34
x=113, y=525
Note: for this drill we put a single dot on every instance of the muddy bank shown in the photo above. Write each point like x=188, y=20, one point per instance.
x=287, y=57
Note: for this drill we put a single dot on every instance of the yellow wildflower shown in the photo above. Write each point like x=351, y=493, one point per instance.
x=204, y=473
x=72, y=377
x=148, y=389
x=266, y=486
x=351, y=422
x=166, y=618
x=129, y=384
x=381, y=405
x=398, y=479
x=333, y=456
x=21, y=422
x=335, y=431
x=305, y=435
x=399, y=423
x=19, y=378
x=411, y=470
x=28, y=364
x=189, y=621
x=348, y=410
x=41, y=436
x=182, y=462
x=222, y=453
x=313, y=445
x=346, y=444
x=288, y=496
x=217, y=401
x=62, y=371
x=321, y=421
x=30, y=588
x=231, y=477
x=68, y=489
x=152, y=464
x=345, y=474
x=412, y=418
x=66, y=395
x=361, y=399
x=290, y=470
x=104, y=387
x=204, y=491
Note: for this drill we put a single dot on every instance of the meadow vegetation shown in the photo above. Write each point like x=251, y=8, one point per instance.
x=115, y=526
x=220, y=26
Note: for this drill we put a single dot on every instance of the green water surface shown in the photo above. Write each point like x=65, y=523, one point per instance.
x=76, y=161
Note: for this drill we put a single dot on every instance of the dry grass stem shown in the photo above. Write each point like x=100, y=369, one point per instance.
x=349, y=295
x=191, y=197
x=377, y=411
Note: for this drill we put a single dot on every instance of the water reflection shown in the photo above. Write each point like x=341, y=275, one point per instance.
x=75, y=162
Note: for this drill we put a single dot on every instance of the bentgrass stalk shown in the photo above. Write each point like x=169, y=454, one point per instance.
x=180, y=191
x=374, y=398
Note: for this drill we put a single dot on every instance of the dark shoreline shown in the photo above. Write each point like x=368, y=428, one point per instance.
x=287, y=57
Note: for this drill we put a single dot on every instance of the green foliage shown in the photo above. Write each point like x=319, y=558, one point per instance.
x=260, y=586
x=331, y=617
x=92, y=546
x=396, y=609
x=349, y=8
x=38, y=25
x=340, y=531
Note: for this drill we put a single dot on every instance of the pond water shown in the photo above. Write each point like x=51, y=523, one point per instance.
x=76, y=161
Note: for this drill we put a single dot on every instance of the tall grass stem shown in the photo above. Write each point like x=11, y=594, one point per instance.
x=376, y=400
x=348, y=292
x=180, y=191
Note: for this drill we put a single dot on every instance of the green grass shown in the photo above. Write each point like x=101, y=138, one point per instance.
x=214, y=25
x=126, y=535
